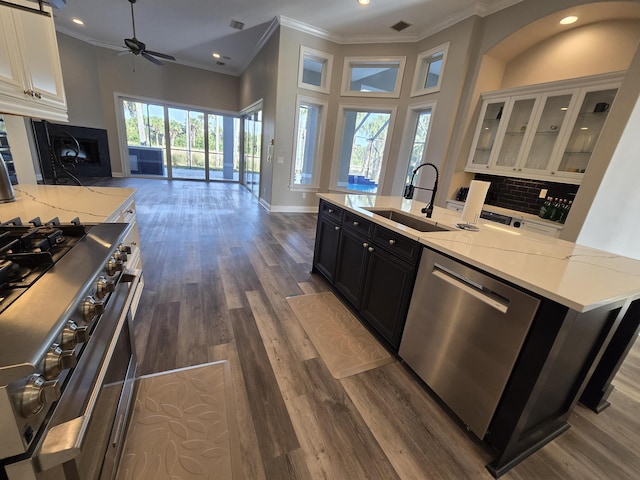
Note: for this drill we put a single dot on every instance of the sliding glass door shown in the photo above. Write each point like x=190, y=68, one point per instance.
x=173, y=142
x=252, y=150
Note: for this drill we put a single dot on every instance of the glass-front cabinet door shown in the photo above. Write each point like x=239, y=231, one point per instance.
x=547, y=131
x=519, y=119
x=589, y=120
x=486, y=134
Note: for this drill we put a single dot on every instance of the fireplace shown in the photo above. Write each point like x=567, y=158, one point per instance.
x=83, y=151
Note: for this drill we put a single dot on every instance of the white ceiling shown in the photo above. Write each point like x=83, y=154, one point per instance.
x=191, y=30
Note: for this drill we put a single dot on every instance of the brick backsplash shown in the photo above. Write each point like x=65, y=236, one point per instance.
x=522, y=194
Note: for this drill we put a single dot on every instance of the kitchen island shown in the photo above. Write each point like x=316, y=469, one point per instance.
x=585, y=296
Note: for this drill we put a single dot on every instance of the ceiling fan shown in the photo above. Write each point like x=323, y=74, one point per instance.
x=137, y=47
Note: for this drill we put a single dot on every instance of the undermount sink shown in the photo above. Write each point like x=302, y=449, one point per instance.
x=408, y=220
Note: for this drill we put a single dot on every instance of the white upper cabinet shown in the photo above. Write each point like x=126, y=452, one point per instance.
x=30, y=71
x=543, y=132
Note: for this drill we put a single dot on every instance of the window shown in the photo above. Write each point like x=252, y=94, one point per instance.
x=314, y=72
x=372, y=76
x=429, y=71
x=307, y=146
x=413, y=150
x=419, y=141
x=363, y=149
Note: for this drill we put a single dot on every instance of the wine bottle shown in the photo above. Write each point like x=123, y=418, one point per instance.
x=556, y=210
x=545, y=208
x=565, y=211
x=552, y=208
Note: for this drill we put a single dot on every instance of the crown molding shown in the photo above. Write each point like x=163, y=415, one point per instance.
x=273, y=28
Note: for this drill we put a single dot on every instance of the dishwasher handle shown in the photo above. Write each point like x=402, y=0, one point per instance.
x=472, y=288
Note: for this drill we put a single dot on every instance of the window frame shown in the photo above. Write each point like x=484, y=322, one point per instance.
x=340, y=125
x=302, y=100
x=322, y=57
x=350, y=62
x=422, y=69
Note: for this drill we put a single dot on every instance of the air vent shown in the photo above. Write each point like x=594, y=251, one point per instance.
x=221, y=64
x=401, y=25
x=236, y=24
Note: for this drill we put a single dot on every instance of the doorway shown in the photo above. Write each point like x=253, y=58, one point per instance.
x=252, y=151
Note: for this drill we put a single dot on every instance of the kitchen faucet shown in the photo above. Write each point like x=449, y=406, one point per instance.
x=409, y=189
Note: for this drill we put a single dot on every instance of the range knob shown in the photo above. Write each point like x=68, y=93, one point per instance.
x=37, y=393
x=104, y=286
x=124, y=248
x=72, y=335
x=58, y=360
x=113, y=266
x=120, y=255
x=91, y=308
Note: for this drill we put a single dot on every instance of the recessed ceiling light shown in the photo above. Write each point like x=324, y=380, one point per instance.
x=77, y=21
x=216, y=55
x=569, y=20
x=363, y=2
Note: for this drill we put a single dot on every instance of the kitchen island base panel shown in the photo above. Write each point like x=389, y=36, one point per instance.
x=499, y=467
x=557, y=359
x=599, y=387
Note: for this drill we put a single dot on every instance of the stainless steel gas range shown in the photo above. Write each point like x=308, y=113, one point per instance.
x=68, y=362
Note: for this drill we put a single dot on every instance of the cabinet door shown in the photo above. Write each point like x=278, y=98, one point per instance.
x=40, y=57
x=520, y=118
x=326, y=248
x=11, y=75
x=549, y=125
x=350, y=264
x=487, y=131
x=386, y=294
x=588, y=123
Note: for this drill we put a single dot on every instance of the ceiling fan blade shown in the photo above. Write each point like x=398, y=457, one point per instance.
x=161, y=55
x=123, y=52
x=151, y=59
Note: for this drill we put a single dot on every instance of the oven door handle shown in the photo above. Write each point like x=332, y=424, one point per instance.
x=64, y=442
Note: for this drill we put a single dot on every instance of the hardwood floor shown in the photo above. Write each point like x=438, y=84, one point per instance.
x=217, y=270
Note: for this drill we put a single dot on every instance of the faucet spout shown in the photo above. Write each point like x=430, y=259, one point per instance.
x=409, y=189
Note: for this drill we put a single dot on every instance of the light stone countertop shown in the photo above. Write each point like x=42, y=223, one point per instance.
x=576, y=276
x=89, y=204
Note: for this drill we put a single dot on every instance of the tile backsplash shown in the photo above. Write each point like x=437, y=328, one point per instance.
x=522, y=194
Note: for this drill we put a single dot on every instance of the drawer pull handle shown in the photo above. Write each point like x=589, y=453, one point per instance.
x=129, y=211
x=371, y=249
x=365, y=245
x=392, y=242
x=355, y=224
x=336, y=228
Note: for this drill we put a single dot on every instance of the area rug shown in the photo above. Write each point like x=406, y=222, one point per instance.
x=344, y=344
x=183, y=426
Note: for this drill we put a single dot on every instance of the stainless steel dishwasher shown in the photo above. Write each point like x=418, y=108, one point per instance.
x=463, y=334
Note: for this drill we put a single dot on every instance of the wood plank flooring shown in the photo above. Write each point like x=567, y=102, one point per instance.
x=217, y=270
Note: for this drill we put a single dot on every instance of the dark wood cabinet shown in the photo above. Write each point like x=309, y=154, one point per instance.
x=386, y=293
x=372, y=267
x=326, y=248
x=350, y=265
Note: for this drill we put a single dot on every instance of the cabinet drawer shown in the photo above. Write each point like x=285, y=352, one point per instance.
x=357, y=224
x=331, y=210
x=397, y=244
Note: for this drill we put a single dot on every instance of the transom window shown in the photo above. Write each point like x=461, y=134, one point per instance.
x=372, y=76
x=430, y=70
x=314, y=71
